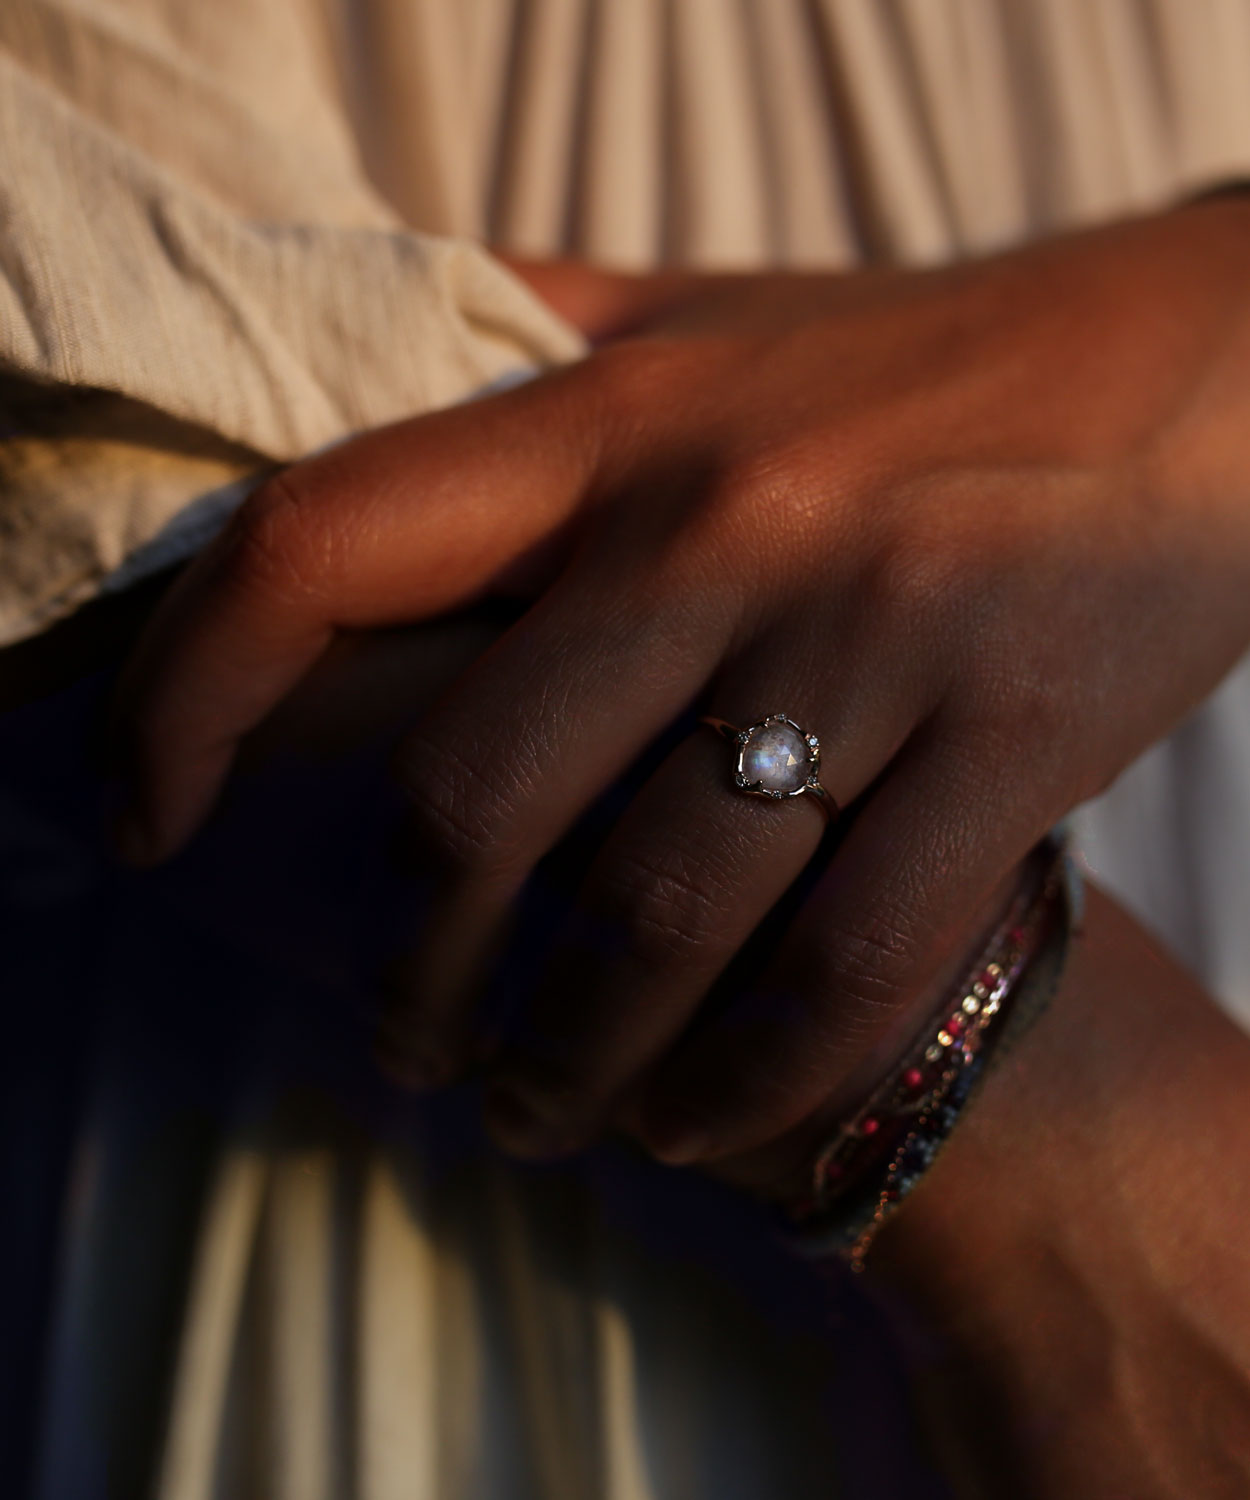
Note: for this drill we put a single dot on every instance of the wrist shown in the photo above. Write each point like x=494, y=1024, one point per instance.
x=1078, y=1246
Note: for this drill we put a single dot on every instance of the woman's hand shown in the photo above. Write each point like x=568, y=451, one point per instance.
x=986, y=530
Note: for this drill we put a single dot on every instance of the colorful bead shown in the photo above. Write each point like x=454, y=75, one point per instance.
x=899, y=1129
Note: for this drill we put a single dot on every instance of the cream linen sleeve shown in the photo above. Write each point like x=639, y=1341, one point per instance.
x=162, y=344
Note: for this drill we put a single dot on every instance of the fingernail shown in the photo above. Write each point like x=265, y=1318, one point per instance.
x=517, y=1128
x=679, y=1149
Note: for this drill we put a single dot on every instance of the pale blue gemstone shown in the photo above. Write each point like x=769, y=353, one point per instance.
x=777, y=756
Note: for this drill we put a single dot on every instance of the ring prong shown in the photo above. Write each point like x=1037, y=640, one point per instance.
x=741, y=739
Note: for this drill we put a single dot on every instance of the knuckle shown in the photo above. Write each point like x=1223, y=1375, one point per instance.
x=858, y=968
x=1037, y=695
x=913, y=577
x=927, y=552
x=1018, y=710
x=273, y=539
x=741, y=531
x=786, y=482
x=774, y=489
x=458, y=816
x=671, y=911
x=868, y=957
x=626, y=375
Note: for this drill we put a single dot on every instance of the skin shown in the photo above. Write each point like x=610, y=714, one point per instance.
x=1078, y=1252
x=1075, y=1262
x=984, y=528
x=1076, y=1257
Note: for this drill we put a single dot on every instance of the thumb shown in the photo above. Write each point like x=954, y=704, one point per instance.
x=391, y=527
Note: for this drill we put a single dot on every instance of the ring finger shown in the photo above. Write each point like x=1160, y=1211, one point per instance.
x=688, y=875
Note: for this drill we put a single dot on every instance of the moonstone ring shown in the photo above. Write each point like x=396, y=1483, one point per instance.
x=775, y=758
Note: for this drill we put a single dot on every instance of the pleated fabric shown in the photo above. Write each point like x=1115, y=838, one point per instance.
x=264, y=1274
x=794, y=132
x=235, y=231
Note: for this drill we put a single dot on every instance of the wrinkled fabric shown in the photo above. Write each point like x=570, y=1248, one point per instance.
x=231, y=233
x=260, y=220
x=186, y=225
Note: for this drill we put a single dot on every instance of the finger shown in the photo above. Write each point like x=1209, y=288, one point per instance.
x=391, y=527
x=687, y=877
x=530, y=736
x=603, y=304
x=781, y=1167
x=840, y=999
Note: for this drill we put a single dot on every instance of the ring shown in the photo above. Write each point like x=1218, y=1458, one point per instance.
x=775, y=758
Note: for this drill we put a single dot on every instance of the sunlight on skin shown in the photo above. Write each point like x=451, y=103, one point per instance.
x=980, y=527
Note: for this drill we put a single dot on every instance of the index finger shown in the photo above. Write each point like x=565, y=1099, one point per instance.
x=391, y=527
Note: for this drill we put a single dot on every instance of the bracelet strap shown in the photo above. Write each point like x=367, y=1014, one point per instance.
x=881, y=1153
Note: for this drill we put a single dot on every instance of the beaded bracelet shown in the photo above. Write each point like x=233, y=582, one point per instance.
x=879, y=1154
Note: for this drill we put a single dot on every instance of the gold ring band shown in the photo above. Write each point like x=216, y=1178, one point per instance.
x=776, y=759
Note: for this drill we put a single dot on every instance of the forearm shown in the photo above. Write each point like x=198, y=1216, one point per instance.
x=1081, y=1244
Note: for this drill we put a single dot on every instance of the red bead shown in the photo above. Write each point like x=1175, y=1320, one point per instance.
x=955, y=1025
x=833, y=1170
x=913, y=1078
x=989, y=979
x=1017, y=935
x=869, y=1126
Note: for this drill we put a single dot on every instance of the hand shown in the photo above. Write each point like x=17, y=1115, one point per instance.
x=984, y=529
